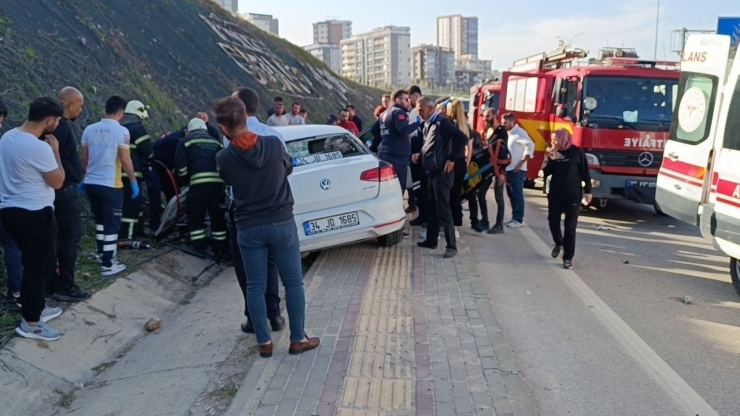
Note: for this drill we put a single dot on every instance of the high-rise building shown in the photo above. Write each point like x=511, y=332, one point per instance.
x=432, y=66
x=264, y=21
x=331, y=31
x=327, y=53
x=459, y=34
x=230, y=5
x=381, y=58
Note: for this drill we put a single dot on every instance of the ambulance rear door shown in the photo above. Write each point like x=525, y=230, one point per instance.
x=683, y=179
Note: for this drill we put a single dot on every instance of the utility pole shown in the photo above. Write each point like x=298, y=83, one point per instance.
x=657, y=25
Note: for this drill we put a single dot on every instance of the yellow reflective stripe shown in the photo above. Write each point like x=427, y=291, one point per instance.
x=205, y=180
x=138, y=174
x=142, y=139
x=204, y=141
x=132, y=146
x=204, y=175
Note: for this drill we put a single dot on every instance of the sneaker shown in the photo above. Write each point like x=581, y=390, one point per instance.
x=567, y=264
x=71, y=294
x=497, y=229
x=457, y=235
x=515, y=224
x=555, y=252
x=114, y=270
x=11, y=302
x=449, y=253
x=50, y=313
x=40, y=331
x=406, y=234
x=98, y=258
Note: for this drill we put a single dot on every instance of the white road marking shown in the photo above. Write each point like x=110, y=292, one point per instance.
x=645, y=356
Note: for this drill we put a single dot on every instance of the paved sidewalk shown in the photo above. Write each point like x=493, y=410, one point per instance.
x=403, y=332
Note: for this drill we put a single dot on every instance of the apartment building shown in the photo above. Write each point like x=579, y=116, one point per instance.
x=459, y=34
x=327, y=53
x=380, y=58
x=432, y=66
x=331, y=31
x=264, y=21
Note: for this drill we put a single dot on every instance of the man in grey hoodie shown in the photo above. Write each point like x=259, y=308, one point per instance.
x=257, y=169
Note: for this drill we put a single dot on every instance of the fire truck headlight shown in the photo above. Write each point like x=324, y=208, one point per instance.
x=595, y=183
x=592, y=159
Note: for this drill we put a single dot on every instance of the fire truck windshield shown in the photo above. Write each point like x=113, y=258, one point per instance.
x=644, y=104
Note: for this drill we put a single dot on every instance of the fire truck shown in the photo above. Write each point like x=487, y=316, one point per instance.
x=617, y=107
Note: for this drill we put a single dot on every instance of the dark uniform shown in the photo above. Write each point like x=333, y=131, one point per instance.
x=391, y=130
x=142, y=154
x=195, y=161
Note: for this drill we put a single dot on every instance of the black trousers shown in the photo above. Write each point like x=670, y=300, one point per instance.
x=68, y=212
x=272, y=294
x=571, y=208
x=106, y=203
x=439, y=209
x=206, y=198
x=130, y=226
x=478, y=199
x=456, y=198
x=421, y=194
x=154, y=192
x=35, y=232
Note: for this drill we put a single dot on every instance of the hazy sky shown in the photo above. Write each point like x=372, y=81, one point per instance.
x=511, y=30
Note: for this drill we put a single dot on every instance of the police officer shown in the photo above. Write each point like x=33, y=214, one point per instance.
x=141, y=155
x=391, y=130
x=195, y=161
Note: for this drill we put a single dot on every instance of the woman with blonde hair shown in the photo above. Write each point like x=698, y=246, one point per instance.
x=456, y=113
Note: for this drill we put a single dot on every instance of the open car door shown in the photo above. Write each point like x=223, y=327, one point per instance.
x=684, y=178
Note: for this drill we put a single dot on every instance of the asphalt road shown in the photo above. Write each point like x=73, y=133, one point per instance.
x=615, y=336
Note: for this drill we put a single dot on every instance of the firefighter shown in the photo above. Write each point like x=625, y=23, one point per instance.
x=142, y=155
x=195, y=162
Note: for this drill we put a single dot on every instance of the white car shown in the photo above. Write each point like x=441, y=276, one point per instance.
x=343, y=194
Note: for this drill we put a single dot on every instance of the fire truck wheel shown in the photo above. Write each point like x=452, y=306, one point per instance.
x=657, y=209
x=529, y=184
x=735, y=274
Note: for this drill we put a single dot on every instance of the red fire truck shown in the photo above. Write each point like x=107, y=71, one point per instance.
x=617, y=106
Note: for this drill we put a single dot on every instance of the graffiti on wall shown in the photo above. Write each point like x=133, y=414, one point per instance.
x=267, y=68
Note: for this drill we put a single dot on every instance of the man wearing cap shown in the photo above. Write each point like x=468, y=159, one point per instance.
x=142, y=155
x=195, y=163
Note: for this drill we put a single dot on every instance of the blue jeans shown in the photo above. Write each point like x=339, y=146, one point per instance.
x=515, y=190
x=257, y=244
x=12, y=257
x=106, y=204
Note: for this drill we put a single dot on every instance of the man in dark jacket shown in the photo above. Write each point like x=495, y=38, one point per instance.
x=443, y=141
x=391, y=131
x=195, y=162
x=67, y=203
x=141, y=155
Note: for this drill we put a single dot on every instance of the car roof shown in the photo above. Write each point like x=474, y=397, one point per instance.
x=291, y=133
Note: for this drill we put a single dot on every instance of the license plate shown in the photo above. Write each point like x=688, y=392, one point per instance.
x=323, y=157
x=324, y=225
x=642, y=184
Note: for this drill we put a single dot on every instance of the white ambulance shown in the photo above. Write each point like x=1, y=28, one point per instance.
x=699, y=179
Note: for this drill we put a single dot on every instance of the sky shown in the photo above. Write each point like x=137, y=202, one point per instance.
x=514, y=30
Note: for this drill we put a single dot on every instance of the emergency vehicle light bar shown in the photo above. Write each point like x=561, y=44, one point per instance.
x=641, y=63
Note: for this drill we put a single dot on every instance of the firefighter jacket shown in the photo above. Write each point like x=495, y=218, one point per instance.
x=195, y=158
x=140, y=146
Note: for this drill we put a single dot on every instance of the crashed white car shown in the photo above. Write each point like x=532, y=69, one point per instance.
x=343, y=194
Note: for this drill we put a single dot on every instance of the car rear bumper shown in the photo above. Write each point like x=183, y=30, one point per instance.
x=378, y=217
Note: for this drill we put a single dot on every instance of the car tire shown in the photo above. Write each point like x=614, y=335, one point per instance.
x=657, y=209
x=390, y=240
x=529, y=184
x=735, y=274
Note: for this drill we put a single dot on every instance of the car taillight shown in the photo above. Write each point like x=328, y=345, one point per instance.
x=385, y=172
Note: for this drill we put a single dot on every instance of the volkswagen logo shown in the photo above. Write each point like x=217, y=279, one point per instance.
x=645, y=159
x=325, y=184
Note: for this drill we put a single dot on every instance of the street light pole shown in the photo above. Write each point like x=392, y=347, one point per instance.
x=657, y=25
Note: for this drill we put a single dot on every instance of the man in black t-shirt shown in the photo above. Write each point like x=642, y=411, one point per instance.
x=497, y=139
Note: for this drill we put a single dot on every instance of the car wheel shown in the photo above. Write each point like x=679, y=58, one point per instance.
x=390, y=240
x=735, y=274
x=529, y=184
x=657, y=209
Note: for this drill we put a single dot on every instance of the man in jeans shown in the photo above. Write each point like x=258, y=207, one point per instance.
x=257, y=169
x=443, y=141
x=105, y=149
x=67, y=203
x=30, y=170
x=521, y=148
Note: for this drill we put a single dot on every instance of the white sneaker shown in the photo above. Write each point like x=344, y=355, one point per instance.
x=50, y=313
x=40, y=331
x=114, y=270
x=514, y=224
x=457, y=235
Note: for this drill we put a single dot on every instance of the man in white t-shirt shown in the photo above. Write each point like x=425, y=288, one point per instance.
x=521, y=148
x=105, y=150
x=278, y=118
x=295, y=118
x=30, y=171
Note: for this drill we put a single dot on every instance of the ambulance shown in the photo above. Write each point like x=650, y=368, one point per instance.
x=699, y=178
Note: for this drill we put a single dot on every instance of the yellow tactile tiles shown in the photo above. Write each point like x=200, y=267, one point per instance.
x=380, y=375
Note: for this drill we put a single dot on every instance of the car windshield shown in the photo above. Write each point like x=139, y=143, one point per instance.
x=644, y=104
x=323, y=148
